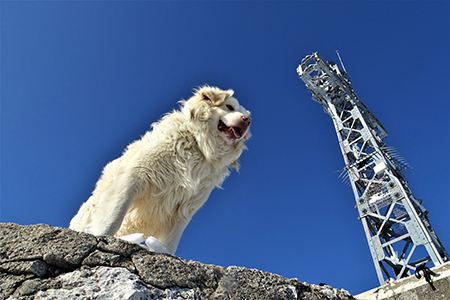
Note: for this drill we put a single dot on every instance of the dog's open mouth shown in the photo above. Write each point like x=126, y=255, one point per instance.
x=231, y=132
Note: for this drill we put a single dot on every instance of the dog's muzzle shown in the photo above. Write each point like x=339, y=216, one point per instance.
x=237, y=131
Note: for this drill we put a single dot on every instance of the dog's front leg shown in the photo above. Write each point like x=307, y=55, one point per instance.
x=113, y=204
x=171, y=238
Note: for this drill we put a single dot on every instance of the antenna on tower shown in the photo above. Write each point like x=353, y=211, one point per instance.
x=342, y=64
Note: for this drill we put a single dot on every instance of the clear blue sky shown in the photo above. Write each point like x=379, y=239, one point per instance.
x=81, y=80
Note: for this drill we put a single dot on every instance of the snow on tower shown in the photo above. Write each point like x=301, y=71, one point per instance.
x=396, y=224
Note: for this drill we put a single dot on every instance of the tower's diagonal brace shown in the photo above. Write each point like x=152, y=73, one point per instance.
x=395, y=222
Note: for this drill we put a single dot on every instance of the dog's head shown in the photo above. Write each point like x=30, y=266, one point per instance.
x=219, y=113
x=219, y=108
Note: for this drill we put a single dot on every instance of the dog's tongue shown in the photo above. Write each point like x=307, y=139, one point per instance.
x=236, y=134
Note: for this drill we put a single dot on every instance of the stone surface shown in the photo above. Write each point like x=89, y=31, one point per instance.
x=411, y=288
x=56, y=246
x=44, y=262
x=102, y=283
x=243, y=283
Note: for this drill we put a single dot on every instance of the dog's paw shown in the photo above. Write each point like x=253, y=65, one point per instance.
x=133, y=238
x=156, y=246
x=86, y=230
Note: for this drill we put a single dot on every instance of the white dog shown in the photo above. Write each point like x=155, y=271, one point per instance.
x=161, y=180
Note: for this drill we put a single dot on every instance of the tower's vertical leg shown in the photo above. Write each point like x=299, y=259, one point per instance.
x=373, y=250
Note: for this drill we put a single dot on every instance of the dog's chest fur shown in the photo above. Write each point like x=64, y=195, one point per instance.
x=179, y=176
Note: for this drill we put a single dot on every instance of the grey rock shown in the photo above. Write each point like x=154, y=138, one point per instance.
x=9, y=283
x=66, y=248
x=99, y=258
x=29, y=287
x=104, y=283
x=243, y=283
x=37, y=267
x=163, y=271
x=57, y=246
x=44, y=262
x=15, y=241
x=117, y=246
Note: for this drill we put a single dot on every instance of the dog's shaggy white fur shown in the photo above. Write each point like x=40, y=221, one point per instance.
x=161, y=180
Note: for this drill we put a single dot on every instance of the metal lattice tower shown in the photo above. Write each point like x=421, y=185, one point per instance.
x=397, y=228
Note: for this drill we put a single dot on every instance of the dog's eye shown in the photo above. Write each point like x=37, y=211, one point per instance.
x=230, y=107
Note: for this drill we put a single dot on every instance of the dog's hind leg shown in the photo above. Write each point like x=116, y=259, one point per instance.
x=113, y=204
x=80, y=221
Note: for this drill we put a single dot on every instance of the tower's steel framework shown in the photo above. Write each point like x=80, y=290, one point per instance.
x=397, y=228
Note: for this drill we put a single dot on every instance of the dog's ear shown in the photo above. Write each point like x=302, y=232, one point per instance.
x=200, y=112
x=214, y=95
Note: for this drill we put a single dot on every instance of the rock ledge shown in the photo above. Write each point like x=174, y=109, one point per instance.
x=45, y=262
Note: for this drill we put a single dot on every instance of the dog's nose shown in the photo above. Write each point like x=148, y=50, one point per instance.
x=246, y=119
